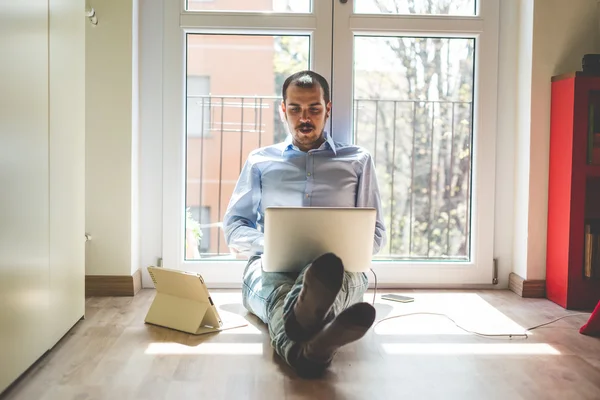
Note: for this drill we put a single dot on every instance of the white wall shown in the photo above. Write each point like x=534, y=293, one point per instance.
x=561, y=33
x=135, y=140
x=507, y=86
x=523, y=51
x=535, y=43
x=151, y=123
x=111, y=141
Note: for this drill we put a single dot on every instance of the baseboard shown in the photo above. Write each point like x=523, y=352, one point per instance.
x=527, y=288
x=113, y=285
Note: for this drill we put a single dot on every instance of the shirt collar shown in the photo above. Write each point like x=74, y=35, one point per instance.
x=288, y=144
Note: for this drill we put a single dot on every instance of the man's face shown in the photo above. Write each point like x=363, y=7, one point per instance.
x=306, y=114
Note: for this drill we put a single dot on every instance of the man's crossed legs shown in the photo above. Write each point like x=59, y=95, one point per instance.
x=312, y=314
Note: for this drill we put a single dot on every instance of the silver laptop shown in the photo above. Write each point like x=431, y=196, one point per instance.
x=295, y=236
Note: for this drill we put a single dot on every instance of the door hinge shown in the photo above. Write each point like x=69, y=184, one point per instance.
x=495, y=278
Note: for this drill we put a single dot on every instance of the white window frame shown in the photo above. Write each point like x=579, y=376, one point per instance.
x=484, y=28
x=177, y=22
x=205, y=112
x=336, y=61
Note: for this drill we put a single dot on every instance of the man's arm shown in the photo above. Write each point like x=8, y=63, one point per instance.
x=368, y=196
x=239, y=224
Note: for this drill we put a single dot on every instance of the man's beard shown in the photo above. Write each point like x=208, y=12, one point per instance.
x=310, y=138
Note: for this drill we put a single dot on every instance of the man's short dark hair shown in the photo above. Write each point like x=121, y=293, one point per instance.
x=306, y=79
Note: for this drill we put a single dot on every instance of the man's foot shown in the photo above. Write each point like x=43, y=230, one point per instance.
x=311, y=359
x=322, y=283
x=351, y=325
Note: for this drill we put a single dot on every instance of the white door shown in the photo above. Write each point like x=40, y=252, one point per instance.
x=414, y=81
x=414, y=85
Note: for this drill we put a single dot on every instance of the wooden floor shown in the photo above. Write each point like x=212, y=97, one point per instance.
x=113, y=355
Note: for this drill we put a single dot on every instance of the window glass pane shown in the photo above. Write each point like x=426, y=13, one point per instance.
x=431, y=7
x=413, y=102
x=291, y=6
x=233, y=91
x=199, y=236
x=198, y=110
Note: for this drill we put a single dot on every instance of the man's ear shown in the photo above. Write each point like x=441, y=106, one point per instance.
x=282, y=115
x=328, y=109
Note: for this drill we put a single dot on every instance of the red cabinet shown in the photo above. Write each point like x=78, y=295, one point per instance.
x=573, y=238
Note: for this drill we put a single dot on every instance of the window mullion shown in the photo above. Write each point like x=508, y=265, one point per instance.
x=407, y=24
x=227, y=22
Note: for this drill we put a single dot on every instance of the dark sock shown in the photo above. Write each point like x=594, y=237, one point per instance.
x=304, y=367
x=351, y=325
x=322, y=283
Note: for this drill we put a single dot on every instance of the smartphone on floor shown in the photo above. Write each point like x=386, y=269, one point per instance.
x=397, y=297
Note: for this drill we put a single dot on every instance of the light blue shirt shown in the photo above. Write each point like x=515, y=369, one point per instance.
x=334, y=175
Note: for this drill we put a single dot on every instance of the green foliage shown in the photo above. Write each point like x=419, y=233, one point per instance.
x=192, y=225
x=415, y=118
x=291, y=55
x=417, y=122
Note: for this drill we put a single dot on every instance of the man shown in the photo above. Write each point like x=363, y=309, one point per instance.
x=312, y=314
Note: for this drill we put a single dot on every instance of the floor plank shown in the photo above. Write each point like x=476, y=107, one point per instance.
x=112, y=354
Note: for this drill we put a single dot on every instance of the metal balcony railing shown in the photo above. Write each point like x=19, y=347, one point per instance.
x=421, y=149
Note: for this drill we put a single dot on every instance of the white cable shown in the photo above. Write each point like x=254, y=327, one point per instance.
x=488, y=335
x=375, y=275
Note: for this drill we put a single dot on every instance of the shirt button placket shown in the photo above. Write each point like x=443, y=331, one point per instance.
x=309, y=165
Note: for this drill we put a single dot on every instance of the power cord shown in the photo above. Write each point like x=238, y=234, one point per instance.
x=375, y=290
x=487, y=335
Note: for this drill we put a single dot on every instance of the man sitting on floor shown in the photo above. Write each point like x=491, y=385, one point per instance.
x=312, y=314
